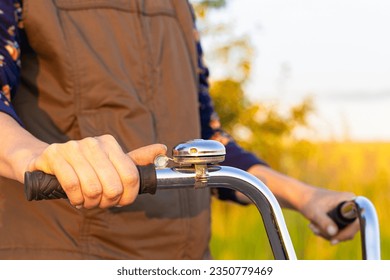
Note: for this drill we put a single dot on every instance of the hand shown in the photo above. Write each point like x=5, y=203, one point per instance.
x=312, y=202
x=95, y=172
x=320, y=203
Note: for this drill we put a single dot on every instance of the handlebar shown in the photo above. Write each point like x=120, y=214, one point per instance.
x=202, y=172
x=39, y=185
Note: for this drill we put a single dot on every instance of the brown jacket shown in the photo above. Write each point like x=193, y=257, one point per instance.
x=122, y=67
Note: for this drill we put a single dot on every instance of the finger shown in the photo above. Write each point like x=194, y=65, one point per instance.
x=90, y=184
x=323, y=226
x=315, y=229
x=347, y=233
x=329, y=229
x=70, y=183
x=146, y=155
x=128, y=174
x=95, y=151
x=52, y=162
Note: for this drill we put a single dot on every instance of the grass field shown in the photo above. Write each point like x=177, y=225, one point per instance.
x=363, y=168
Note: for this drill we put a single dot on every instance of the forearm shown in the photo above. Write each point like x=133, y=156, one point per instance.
x=17, y=148
x=290, y=193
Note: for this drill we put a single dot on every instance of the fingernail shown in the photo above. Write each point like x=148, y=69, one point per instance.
x=78, y=206
x=161, y=161
x=332, y=230
x=334, y=241
x=314, y=229
x=118, y=206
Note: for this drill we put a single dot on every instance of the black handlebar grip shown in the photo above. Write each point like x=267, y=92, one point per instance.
x=147, y=179
x=339, y=218
x=39, y=185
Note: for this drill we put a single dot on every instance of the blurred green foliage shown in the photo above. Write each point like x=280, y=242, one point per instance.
x=270, y=132
x=261, y=128
x=264, y=130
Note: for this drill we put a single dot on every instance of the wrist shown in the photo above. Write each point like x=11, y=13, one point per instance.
x=18, y=148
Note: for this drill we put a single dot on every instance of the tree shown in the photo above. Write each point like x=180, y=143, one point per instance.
x=262, y=129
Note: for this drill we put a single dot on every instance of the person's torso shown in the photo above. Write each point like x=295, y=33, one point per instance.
x=120, y=67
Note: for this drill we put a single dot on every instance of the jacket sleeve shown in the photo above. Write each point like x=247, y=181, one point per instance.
x=10, y=14
x=211, y=127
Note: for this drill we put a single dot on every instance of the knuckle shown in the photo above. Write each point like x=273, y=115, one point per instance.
x=53, y=147
x=107, y=138
x=130, y=180
x=71, y=186
x=113, y=193
x=92, y=191
x=65, y=149
x=72, y=144
x=89, y=142
x=128, y=199
x=52, y=151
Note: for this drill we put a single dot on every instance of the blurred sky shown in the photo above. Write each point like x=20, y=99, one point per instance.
x=337, y=51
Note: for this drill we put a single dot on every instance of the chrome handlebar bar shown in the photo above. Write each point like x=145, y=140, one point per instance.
x=196, y=167
x=233, y=178
x=268, y=207
x=369, y=228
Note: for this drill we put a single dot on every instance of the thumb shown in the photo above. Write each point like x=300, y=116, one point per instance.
x=146, y=154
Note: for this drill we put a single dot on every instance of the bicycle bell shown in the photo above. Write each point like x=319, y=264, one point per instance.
x=199, y=151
